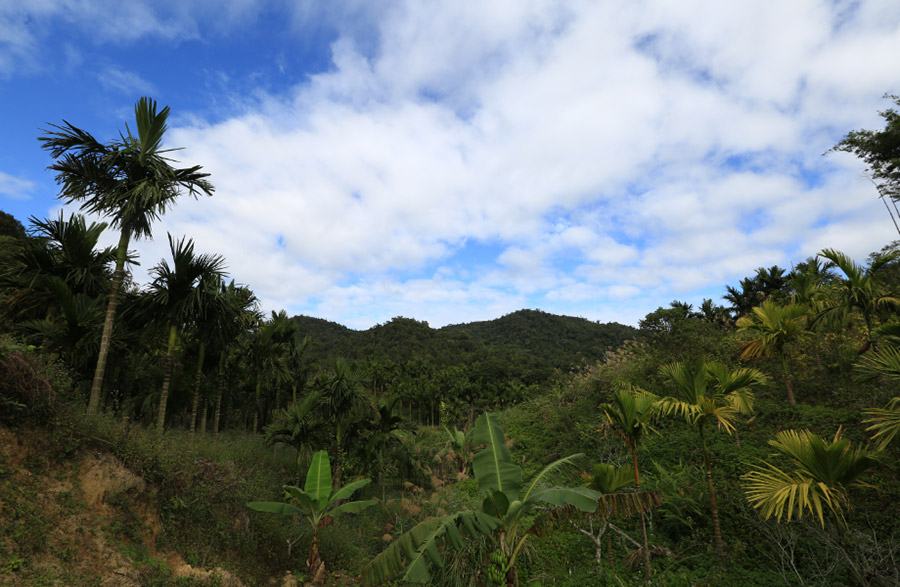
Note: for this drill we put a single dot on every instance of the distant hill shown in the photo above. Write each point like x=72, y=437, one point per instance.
x=565, y=340
x=530, y=344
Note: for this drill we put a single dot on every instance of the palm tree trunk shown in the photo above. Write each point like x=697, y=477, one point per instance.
x=118, y=277
x=338, y=460
x=203, y=416
x=220, y=389
x=787, y=381
x=197, y=378
x=164, y=394
x=646, y=549
x=256, y=409
x=717, y=529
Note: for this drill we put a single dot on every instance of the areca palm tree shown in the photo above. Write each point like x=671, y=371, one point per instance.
x=129, y=180
x=823, y=472
x=631, y=416
x=342, y=397
x=59, y=249
x=217, y=324
x=181, y=293
x=269, y=346
x=860, y=291
x=300, y=426
x=245, y=312
x=710, y=395
x=775, y=326
x=73, y=330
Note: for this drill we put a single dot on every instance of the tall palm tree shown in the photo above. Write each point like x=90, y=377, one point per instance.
x=775, y=326
x=129, y=180
x=860, y=291
x=217, y=325
x=342, y=397
x=631, y=416
x=245, y=311
x=269, y=348
x=181, y=293
x=823, y=472
x=710, y=394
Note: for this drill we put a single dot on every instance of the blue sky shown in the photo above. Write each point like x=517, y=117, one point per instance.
x=457, y=161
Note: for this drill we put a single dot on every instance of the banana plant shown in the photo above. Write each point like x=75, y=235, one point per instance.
x=506, y=516
x=318, y=504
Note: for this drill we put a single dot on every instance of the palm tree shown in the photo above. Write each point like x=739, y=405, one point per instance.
x=73, y=330
x=268, y=350
x=823, y=472
x=342, y=397
x=61, y=249
x=631, y=416
x=710, y=394
x=181, y=293
x=884, y=422
x=775, y=326
x=387, y=431
x=859, y=291
x=217, y=324
x=300, y=426
x=245, y=312
x=129, y=180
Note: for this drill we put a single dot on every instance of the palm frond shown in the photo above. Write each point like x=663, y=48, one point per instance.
x=884, y=422
x=780, y=494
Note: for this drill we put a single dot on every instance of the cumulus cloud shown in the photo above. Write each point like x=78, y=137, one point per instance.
x=616, y=155
x=14, y=187
x=675, y=140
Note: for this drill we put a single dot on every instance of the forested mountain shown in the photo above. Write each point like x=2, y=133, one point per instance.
x=531, y=343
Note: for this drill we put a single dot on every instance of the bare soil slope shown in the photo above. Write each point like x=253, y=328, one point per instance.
x=87, y=521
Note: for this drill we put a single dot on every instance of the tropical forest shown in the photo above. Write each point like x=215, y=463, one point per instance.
x=170, y=432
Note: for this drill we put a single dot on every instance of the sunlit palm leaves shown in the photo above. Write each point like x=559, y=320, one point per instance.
x=710, y=392
x=859, y=291
x=823, y=472
x=774, y=326
x=884, y=422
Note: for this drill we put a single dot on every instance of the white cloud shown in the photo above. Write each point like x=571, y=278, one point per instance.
x=126, y=82
x=14, y=187
x=617, y=154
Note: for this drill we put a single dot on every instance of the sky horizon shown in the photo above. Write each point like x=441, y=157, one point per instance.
x=456, y=162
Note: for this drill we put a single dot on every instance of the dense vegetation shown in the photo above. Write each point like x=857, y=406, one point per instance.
x=748, y=443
